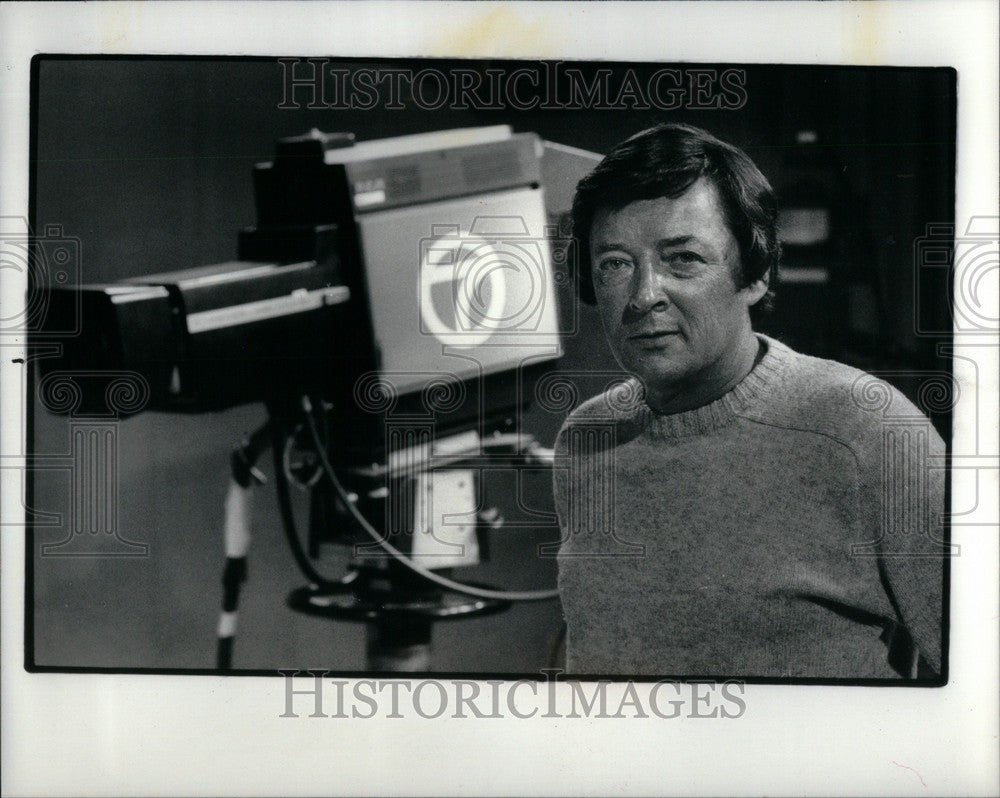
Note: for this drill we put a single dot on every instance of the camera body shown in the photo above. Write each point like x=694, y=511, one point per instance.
x=407, y=279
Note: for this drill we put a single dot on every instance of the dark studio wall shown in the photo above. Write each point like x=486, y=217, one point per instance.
x=148, y=163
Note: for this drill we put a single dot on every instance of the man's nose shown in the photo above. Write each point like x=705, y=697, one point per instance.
x=647, y=292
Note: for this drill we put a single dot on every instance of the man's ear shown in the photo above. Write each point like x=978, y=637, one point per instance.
x=755, y=291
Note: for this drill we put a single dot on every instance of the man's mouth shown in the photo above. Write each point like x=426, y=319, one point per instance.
x=654, y=335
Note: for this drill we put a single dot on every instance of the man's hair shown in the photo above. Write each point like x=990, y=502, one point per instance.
x=665, y=161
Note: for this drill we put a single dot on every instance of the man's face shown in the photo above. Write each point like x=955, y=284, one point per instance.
x=665, y=274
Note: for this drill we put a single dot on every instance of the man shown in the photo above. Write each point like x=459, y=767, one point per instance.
x=731, y=510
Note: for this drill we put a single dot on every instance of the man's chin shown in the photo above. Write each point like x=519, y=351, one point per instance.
x=664, y=377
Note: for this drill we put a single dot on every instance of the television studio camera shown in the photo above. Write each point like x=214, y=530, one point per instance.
x=393, y=307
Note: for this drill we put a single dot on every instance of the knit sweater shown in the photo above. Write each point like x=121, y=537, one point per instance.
x=791, y=528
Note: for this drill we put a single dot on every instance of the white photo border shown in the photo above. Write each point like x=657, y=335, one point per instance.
x=97, y=734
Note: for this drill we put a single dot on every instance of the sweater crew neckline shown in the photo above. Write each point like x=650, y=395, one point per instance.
x=724, y=410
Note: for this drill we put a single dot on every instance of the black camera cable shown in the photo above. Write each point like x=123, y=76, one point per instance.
x=449, y=584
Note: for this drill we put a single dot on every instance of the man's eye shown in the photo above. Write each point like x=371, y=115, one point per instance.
x=683, y=262
x=613, y=271
x=684, y=257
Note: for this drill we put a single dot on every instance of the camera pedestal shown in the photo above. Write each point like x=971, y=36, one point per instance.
x=399, y=612
x=397, y=600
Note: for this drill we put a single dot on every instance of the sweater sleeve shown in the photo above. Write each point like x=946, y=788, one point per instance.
x=911, y=549
x=560, y=481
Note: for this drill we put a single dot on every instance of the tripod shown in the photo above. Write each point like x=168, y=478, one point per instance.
x=399, y=584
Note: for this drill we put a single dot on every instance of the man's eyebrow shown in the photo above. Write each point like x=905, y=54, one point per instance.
x=609, y=247
x=678, y=241
x=674, y=241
